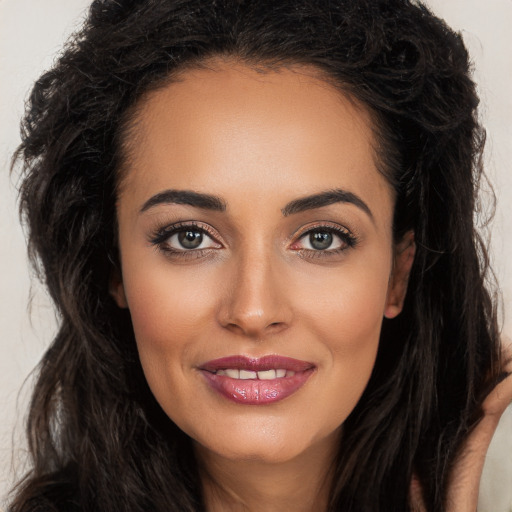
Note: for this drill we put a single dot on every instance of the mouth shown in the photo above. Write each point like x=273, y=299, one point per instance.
x=256, y=381
x=235, y=373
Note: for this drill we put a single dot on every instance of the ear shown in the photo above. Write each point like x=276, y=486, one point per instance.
x=116, y=288
x=399, y=278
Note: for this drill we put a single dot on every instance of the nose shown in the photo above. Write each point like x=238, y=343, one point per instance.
x=255, y=302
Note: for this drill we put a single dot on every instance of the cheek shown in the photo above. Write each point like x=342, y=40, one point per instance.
x=346, y=305
x=352, y=320
x=167, y=305
x=171, y=309
x=346, y=318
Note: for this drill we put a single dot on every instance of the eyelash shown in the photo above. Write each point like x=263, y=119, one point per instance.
x=348, y=240
x=160, y=239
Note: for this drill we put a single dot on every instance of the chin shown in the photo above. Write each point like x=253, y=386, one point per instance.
x=268, y=442
x=263, y=452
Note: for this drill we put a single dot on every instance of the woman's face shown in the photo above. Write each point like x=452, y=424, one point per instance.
x=256, y=250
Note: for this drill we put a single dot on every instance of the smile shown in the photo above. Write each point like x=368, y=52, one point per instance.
x=259, y=381
x=235, y=373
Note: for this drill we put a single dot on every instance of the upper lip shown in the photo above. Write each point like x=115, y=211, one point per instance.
x=257, y=363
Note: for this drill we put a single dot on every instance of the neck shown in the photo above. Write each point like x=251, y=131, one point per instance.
x=300, y=485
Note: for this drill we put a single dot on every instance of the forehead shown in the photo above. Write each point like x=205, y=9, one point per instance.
x=227, y=127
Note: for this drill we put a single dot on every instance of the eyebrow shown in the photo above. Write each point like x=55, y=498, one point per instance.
x=188, y=197
x=215, y=203
x=325, y=199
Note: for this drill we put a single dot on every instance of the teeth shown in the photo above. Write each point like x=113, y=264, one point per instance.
x=267, y=375
x=247, y=374
x=234, y=373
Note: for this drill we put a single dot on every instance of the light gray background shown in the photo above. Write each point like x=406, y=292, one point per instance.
x=31, y=34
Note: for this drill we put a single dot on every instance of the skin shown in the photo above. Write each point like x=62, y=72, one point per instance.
x=258, y=142
x=467, y=471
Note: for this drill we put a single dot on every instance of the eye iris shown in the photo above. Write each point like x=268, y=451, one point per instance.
x=190, y=239
x=320, y=240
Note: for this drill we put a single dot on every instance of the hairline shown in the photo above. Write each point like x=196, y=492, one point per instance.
x=128, y=136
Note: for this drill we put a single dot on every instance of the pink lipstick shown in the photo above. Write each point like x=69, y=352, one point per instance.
x=256, y=381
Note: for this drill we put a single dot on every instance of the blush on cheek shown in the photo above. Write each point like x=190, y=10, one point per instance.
x=350, y=318
x=165, y=305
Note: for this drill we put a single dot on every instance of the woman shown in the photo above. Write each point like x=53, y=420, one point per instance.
x=256, y=222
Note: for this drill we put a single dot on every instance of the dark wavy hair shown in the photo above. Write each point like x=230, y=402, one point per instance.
x=98, y=439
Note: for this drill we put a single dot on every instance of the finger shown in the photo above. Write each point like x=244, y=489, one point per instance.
x=416, y=496
x=467, y=471
x=465, y=477
x=501, y=396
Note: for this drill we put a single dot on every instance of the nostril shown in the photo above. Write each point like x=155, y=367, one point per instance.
x=235, y=327
x=254, y=330
x=276, y=327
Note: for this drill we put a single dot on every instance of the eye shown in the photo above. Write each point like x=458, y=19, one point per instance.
x=190, y=239
x=321, y=241
x=325, y=240
x=183, y=238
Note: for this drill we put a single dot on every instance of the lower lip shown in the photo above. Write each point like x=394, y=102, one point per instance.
x=255, y=391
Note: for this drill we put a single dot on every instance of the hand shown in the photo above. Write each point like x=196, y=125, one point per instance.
x=467, y=471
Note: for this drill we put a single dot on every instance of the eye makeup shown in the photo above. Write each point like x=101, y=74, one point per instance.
x=323, y=239
x=193, y=239
x=186, y=239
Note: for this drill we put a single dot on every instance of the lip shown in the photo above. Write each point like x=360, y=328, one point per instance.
x=255, y=391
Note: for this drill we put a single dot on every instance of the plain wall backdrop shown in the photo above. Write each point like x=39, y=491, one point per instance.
x=31, y=34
